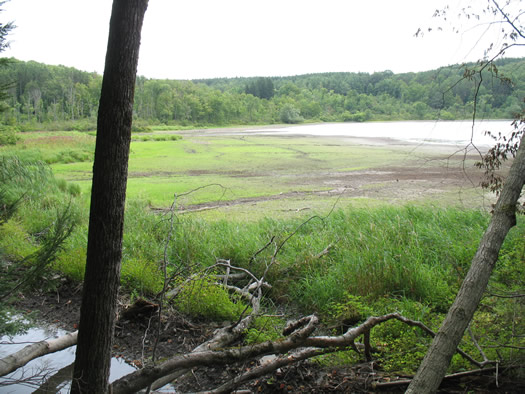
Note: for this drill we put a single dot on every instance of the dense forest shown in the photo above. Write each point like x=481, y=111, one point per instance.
x=59, y=97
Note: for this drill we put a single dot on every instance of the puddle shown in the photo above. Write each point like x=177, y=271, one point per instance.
x=31, y=377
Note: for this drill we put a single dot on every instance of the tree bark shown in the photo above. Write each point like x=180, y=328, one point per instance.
x=104, y=250
x=436, y=361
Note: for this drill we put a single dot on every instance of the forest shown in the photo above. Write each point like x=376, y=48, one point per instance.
x=63, y=98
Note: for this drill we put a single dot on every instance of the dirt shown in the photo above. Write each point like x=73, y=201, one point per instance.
x=393, y=184
x=135, y=337
x=431, y=173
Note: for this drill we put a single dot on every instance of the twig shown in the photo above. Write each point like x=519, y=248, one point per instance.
x=473, y=338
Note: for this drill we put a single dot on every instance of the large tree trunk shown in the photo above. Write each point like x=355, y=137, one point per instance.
x=436, y=361
x=104, y=251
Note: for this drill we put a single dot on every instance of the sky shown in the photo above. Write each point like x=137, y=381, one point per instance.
x=192, y=39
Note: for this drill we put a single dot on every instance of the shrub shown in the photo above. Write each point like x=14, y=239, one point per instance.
x=290, y=114
x=141, y=275
x=264, y=328
x=206, y=300
x=8, y=135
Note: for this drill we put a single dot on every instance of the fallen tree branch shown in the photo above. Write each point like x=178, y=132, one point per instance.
x=406, y=382
x=53, y=383
x=324, y=252
x=269, y=367
x=142, y=378
x=30, y=352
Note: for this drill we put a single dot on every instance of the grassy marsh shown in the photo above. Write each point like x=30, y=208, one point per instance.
x=273, y=174
x=401, y=226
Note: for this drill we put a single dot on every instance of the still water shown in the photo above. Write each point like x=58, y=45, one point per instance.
x=432, y=132
x=46, y=365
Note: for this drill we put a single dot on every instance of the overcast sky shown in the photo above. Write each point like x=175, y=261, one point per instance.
x=188, y=39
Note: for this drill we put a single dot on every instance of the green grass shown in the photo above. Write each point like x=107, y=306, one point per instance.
x=410, y=258
x=246, y=167
x=276, y=173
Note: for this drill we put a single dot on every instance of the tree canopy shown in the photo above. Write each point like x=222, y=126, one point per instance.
x=45, y=94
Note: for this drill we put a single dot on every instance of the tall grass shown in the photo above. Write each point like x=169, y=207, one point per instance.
x=52, y=147
x=412, y=252
x=418, y=253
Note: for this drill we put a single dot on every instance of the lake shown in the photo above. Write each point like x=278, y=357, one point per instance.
x=432, y=132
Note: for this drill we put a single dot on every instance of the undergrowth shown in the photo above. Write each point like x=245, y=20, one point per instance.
x=352, y=264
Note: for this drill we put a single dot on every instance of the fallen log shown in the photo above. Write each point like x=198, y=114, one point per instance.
x=30, y=352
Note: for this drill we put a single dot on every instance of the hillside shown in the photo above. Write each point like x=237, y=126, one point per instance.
x=44, y=96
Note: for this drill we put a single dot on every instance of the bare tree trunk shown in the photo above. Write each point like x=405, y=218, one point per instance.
x=104, y=251
x=436, y=361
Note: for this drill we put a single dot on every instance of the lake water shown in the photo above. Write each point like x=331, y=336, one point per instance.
x=48, y=364
x=432, y=132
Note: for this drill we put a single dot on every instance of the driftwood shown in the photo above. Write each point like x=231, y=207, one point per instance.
x=30, y=352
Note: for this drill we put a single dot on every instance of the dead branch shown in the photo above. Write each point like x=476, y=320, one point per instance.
x=53, y=383
x=300, y=337
x=141, y=379
x=406, y=382
x=30, y=352
x=324, y=252
x=480, y=350
x=269, y=367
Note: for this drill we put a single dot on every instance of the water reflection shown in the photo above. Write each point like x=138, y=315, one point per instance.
x=56, y=368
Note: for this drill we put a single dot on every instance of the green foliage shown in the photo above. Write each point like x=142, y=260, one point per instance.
x=290, y=114
x=347, y=312
x=141, y=276
x=72, y=263
x=35, y=231
x=355, y=117
x=264, y=328
x=413, y=252
x=40, y=101
x=156, y=137
x=15, y=242
x=10, y=325
x=261, y=87
x=206, y=300
x=8, y=135
x=399, y=347
x=36, y=267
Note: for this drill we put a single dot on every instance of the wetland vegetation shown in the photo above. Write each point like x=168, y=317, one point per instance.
x=366, y=226
x=398, y=238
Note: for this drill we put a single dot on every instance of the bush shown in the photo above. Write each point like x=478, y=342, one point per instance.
x=356, y=117
x=141, y=276
x=264, y=328
x=206, y=300
x=8, y=135
x=290, y=114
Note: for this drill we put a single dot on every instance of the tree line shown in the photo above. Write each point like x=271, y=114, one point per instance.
x=41, y=94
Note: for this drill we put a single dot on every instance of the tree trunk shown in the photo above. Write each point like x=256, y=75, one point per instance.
x=104, y=250
x=436, y=361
